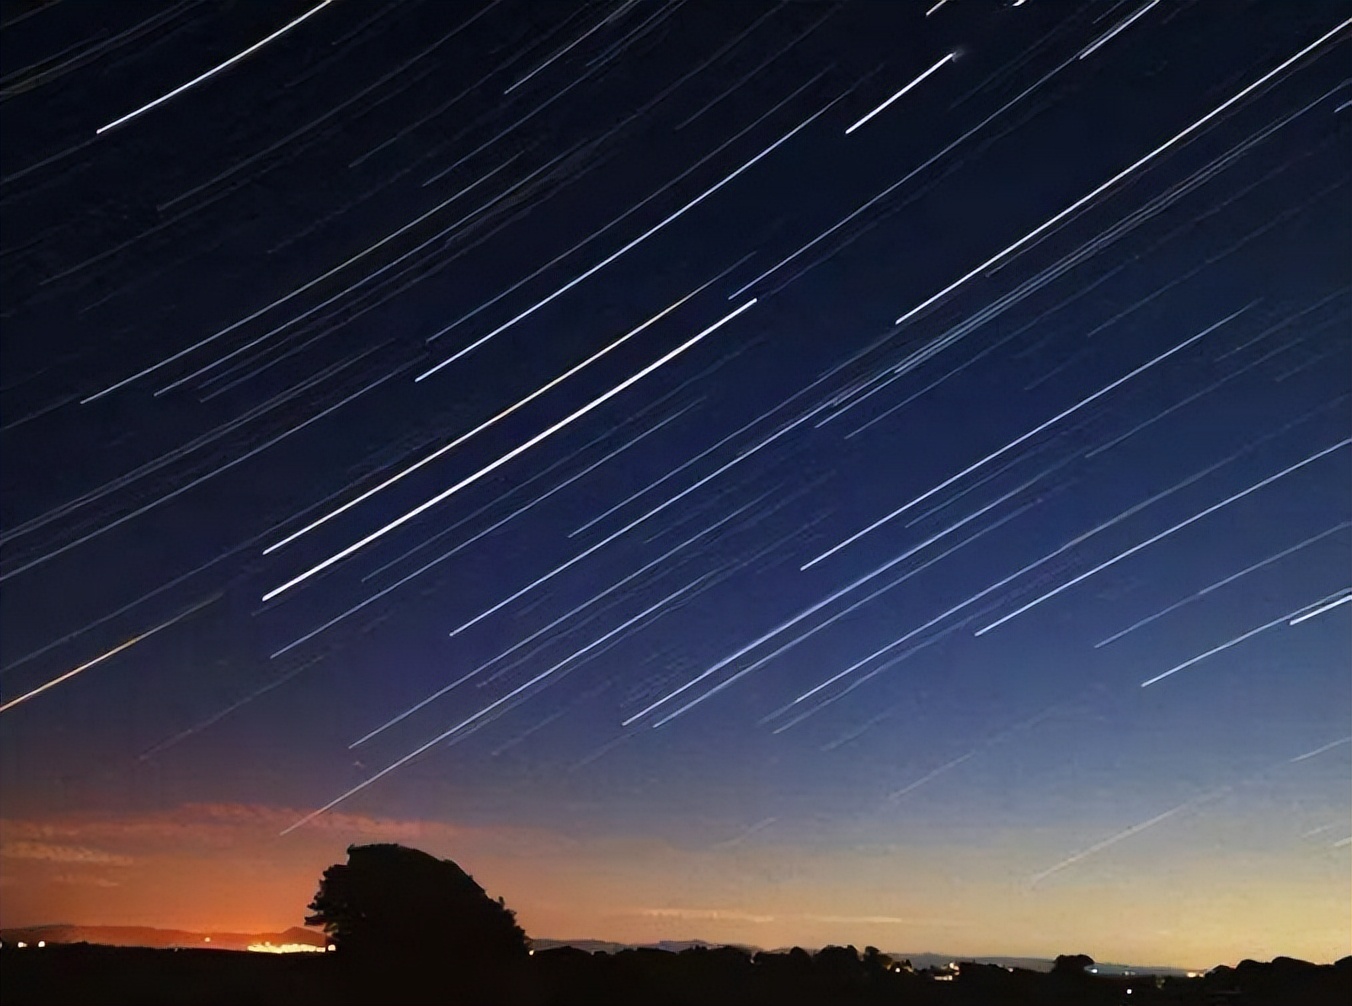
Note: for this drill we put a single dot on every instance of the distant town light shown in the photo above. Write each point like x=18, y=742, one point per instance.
x=206, y=939
x=287, y=948
x=21, y=944
x=41, y=943
x=331, y=947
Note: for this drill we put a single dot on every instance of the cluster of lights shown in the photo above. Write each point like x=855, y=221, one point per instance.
x=289, y=948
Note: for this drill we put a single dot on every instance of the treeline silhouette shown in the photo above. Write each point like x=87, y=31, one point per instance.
x=411, y=929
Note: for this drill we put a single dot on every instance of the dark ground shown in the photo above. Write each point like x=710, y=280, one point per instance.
x=84, y=974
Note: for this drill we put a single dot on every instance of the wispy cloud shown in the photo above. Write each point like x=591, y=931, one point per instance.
x=720, y=914
x=53, y=853
x=84, y=880
x=217, y=830
x=217, y=824
x=737, y=915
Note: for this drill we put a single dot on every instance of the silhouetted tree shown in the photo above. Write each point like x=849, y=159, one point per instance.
x=1072, y=964
x=876, y=962
x=392, y=904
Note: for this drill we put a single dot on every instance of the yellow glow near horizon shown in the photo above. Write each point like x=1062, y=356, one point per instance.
x=285, y=948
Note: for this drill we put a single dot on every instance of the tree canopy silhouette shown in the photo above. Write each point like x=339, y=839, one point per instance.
x=389, y=902
x=1072, y=964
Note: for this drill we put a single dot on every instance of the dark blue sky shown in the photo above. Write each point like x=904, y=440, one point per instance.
x=813, y=632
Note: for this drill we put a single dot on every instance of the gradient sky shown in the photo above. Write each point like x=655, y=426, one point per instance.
x=799, y=616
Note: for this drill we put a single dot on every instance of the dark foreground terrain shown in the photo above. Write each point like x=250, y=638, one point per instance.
x=84, y=974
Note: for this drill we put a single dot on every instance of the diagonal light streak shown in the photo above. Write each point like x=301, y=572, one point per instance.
x=1016, y=442
x=1079, y=203
x=214, y=70
x=445, y=494
x=1164, y=534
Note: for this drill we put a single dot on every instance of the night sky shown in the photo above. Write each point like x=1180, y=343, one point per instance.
x=797, y=473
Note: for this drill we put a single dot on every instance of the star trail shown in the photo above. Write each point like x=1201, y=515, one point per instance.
x=756, y=449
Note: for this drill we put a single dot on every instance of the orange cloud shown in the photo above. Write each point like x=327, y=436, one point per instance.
x=82, y=880
x=51, y=853
x=217, y=865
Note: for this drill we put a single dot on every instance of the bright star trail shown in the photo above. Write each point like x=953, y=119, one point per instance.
x=696, y=464
x=214, y=70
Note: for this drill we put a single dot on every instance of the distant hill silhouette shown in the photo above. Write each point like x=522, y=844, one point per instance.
x=926, y=959
x=147, y=936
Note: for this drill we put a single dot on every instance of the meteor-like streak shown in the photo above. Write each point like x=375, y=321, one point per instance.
x=830, y=620
x=1126, y=833
x=600, y=231
x=169, y=457
x=446, y=734
x=289, y=140
x=900, y=640
x=153, y=368
x=882, y=668
x=737, y=84
x=1059, y=550
x=632, y=244
x=674, y=472
x=1019, y=440
x=947, y=59
x=653, y=610
x=484, y=425
x=1130, y=169
x=511, y=128
x=1242, y=637
x=854, y=214
x=635, y=33
x=632, y=441
x=214, y=70
x=1347, y=596
x=554, y=624
x=102, y=529
x=220, y=714
x=43, y=72
x=1320, y=750
x=539, y=581
x=445, y=494
x=1188, y=400
x=707, y=582
x=360, y=605
x=807, y=613
x=47, y=647
x=1221, y=583
x=1066, y=263
x=1162, y=535
x=1113, y=233
x=586, y=34
x=1286, y=322
x=931, y=776
x=438, y=239
x=1032, y=452
x=109, y=653
x=732, y=679
x=1117, y=28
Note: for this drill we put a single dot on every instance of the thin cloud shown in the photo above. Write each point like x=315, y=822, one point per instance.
x=52, y=853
